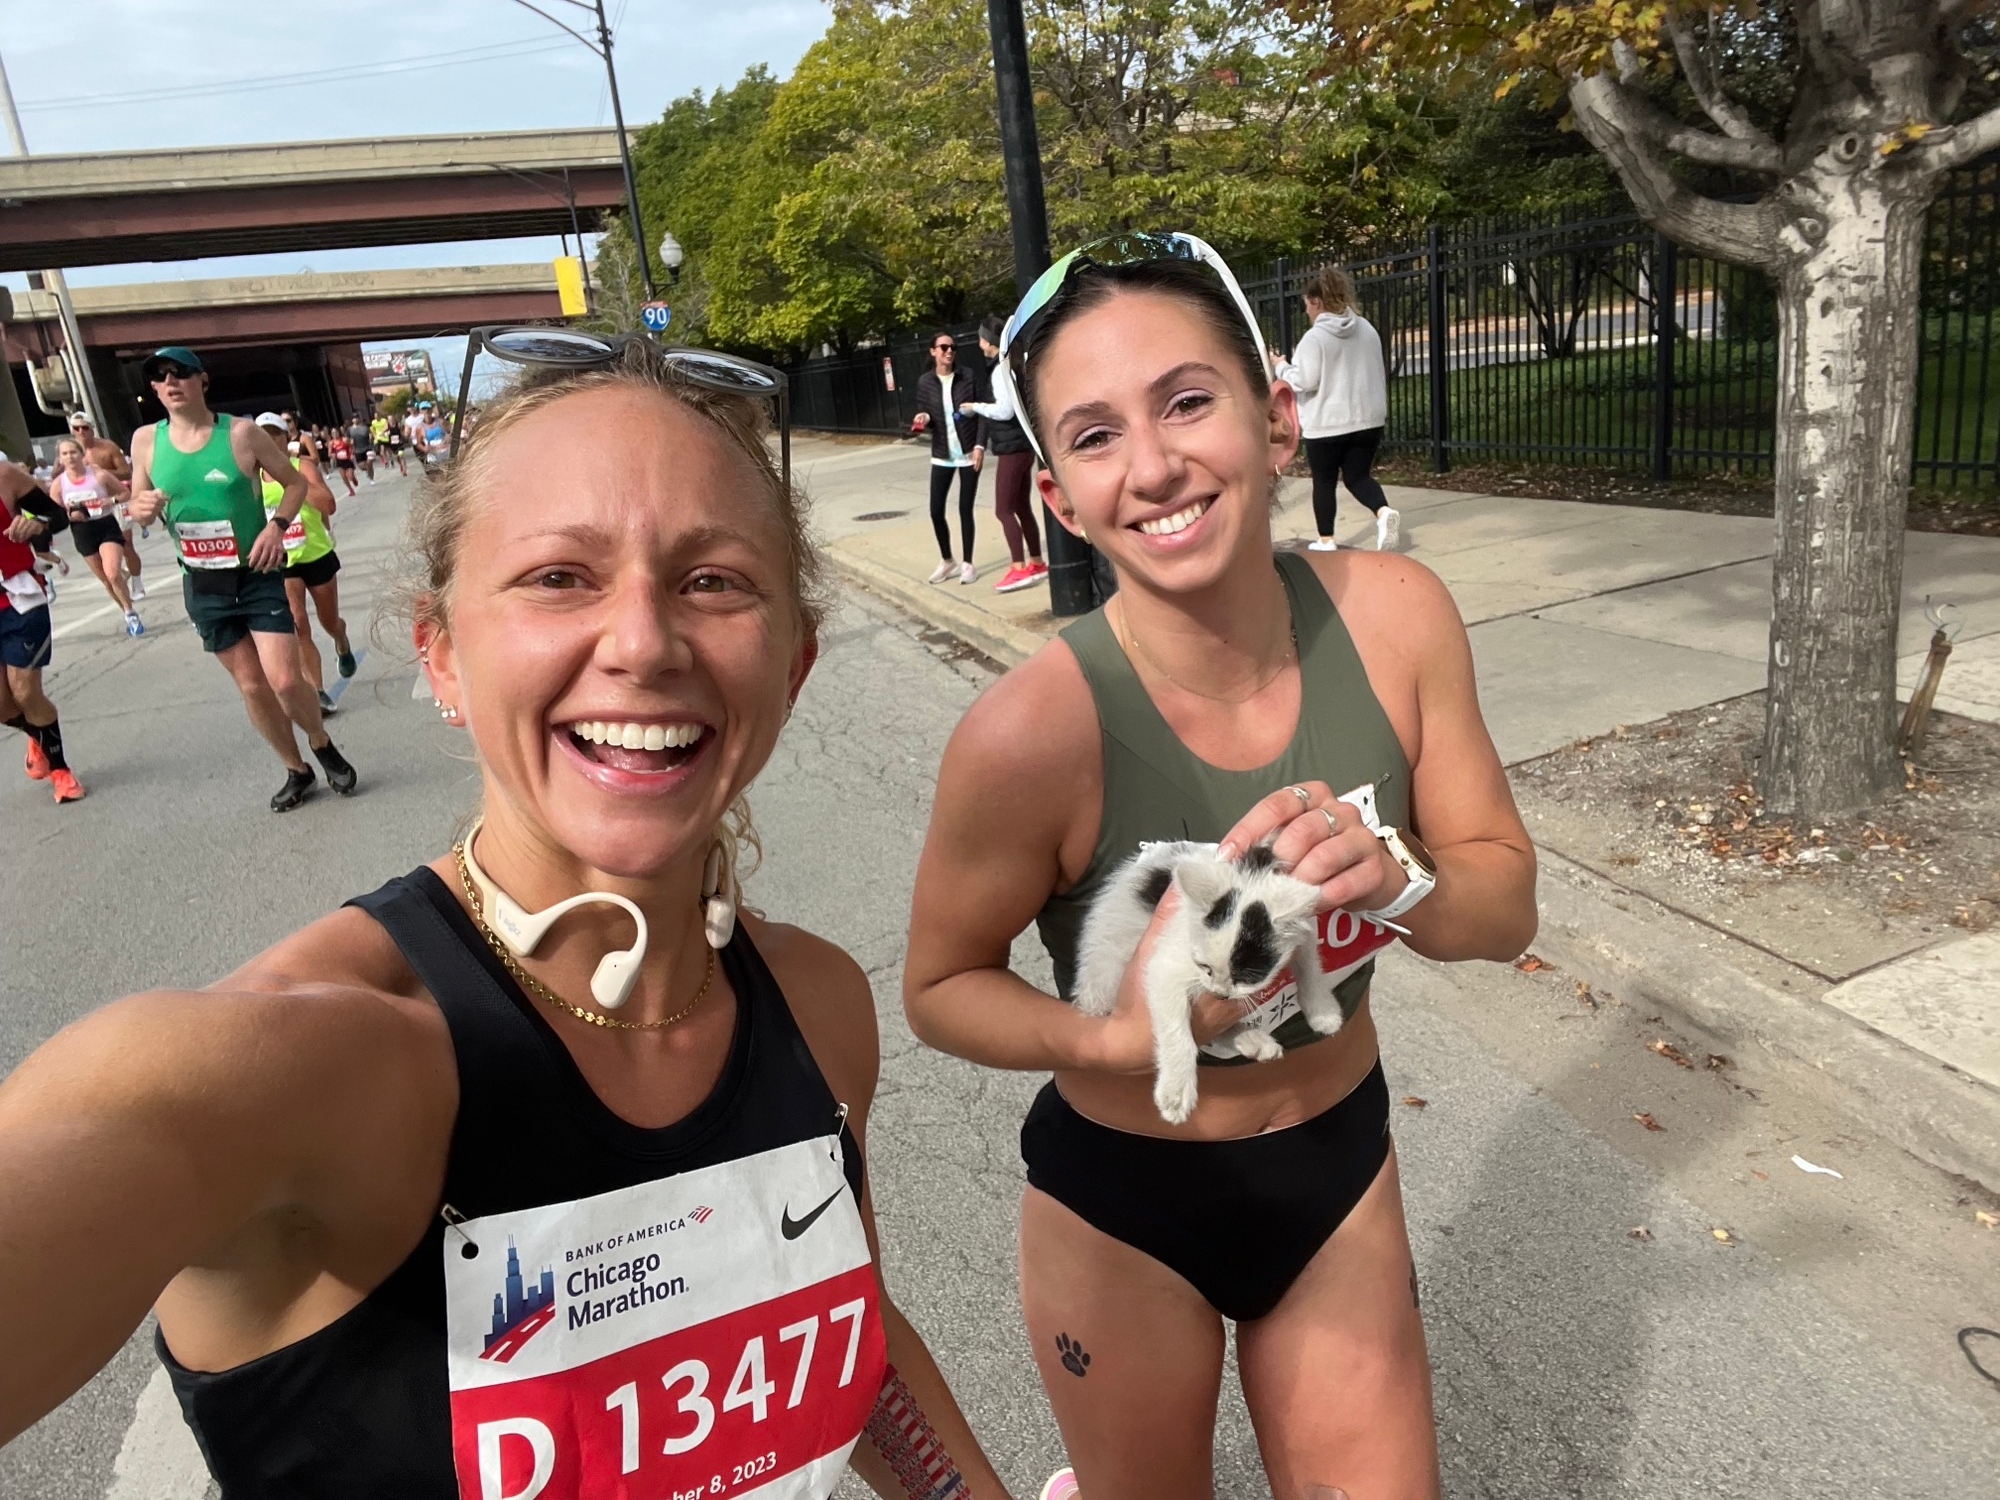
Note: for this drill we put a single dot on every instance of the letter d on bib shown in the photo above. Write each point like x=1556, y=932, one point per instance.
x=540, y=1440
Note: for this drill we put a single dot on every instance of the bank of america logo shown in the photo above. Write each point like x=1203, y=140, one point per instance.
x=700, y=1215
x=520, y=1312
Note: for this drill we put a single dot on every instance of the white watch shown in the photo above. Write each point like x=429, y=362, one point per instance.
x=1407, y=850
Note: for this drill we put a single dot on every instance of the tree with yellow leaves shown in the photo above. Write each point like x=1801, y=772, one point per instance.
x=1841, y=116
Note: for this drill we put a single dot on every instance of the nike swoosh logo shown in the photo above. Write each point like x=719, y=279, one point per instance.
x=792, y=1228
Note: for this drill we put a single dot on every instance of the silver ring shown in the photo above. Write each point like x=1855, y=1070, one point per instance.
x=1332, y=823
x=1304, y=796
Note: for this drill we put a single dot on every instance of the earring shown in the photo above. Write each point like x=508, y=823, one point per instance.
x=449, y=715
x=718, y=892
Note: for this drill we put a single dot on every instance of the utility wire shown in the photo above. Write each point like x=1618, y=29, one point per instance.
x=491, y=52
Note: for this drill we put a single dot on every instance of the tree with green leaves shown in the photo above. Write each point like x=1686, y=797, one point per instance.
x=1841, y=117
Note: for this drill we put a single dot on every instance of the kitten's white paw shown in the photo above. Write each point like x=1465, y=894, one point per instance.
x=1260, y=1046
x=1174, y=1098
x=1328, y=1021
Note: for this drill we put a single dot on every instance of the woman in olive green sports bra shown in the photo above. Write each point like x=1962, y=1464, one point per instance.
x=1218, y=696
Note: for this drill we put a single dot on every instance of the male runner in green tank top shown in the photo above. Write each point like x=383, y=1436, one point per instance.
x=199, y=469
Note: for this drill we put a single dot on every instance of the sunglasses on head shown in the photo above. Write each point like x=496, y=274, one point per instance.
x=1131, y=249
x=572, y=348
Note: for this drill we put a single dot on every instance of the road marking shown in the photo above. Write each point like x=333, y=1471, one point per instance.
x=158, y=1459
x=82, y=620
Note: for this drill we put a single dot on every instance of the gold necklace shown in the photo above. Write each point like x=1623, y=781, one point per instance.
x=528, y=981
x=1132, y=636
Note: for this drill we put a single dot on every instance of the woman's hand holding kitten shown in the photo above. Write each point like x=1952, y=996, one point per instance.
x=1344, y=859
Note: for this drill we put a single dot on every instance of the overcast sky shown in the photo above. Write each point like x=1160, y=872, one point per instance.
x=119, y=75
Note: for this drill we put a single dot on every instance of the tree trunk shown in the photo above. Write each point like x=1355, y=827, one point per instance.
x=1848, y=339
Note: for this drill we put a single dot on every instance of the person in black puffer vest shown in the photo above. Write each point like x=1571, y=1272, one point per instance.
x=958, y=447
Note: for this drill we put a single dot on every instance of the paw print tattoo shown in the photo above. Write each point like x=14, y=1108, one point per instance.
x=1074, y=1359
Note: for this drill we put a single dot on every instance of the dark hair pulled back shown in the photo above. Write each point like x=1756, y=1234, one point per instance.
x=1093, y=286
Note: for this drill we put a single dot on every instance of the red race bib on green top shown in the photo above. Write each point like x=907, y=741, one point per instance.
x=207, y=544
x=715, y=1333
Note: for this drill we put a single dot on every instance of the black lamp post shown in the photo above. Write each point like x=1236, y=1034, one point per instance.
x=1071, y=588
x=602, y=47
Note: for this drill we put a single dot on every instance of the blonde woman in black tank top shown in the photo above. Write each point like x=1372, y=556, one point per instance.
x=1215, y=697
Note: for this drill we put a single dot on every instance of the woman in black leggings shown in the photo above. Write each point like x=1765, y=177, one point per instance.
x=1343, y=404
x=958, y=448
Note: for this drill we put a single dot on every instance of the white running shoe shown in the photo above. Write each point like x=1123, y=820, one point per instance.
x=1324, y=544
x=1388, y=520
x=136, y=587
x=967, y=573
x=944, y=570
x=134, y=626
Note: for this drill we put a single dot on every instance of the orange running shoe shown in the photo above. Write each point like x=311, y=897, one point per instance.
x=38, y=762
x=68, y=788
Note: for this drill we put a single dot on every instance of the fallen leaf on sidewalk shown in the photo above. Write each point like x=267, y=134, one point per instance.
x=1584, y=996
x=1527, y=963
x=1649, y=1122
x=1669, y=1051
x=1415, y=1103
x=1760, y=1176
x=1724, y=1236
x=1991, y=1221
x=1639, y=1232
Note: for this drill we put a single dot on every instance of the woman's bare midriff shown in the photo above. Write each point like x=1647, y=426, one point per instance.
x=1238, y=1101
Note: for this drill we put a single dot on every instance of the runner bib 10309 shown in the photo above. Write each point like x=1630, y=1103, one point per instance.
x=207, y=544
x=714, y=1333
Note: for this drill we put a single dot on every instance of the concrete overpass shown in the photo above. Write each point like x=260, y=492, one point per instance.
x=314, y=307
x=284, y=341
x=117, y=207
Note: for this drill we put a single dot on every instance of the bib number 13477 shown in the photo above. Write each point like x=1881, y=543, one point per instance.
x=729, y=1407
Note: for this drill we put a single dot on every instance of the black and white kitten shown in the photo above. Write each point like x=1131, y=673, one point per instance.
x=1239, y=925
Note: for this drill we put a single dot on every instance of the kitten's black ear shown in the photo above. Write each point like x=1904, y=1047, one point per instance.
x=1202, y=881
x=1259, y=856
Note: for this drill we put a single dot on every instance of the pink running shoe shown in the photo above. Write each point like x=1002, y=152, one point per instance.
x=1061, y=1485
x=1020, y=576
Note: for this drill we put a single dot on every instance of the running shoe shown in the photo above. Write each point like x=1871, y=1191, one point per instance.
x=134, y=626
x=1041, y=568
x=136, y=587
x=1061, y=1485
x=326, y=704
x=1388, y=521
x=1324, y=544
x=38, y=760
x=348, y=665
x=967, y=573
x=339, y=774
x=944, y=570
x=298, y=786
x=68, y=788
x=1020, y=576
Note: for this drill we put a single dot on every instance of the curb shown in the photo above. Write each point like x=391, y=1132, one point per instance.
x=1766, y=1015
x=1010, y=645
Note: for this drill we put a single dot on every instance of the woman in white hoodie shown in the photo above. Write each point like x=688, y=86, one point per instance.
x=1343, y=403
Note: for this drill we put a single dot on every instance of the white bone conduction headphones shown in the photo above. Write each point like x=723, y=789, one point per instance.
x=616, y=973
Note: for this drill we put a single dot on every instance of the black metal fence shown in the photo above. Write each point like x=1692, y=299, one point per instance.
x=1539, y=343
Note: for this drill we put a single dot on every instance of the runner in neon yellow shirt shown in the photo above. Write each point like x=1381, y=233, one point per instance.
x=311, y=565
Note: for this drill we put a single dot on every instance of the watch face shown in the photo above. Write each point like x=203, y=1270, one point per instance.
x=1416, y=850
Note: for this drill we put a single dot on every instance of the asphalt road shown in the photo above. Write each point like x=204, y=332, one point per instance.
x=1809, y=1355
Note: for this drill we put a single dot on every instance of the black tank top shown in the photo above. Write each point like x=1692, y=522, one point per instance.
x=380, y=1401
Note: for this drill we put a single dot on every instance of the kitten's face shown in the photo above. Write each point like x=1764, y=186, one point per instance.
x=1244, y=921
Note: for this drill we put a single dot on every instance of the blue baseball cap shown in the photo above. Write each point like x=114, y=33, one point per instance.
x=174, y=354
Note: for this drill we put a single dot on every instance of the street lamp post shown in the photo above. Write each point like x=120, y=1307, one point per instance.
x=602, y=47
x=1072, y=590
x=672, y=256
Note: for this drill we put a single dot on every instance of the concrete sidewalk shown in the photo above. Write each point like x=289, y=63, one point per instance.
x=1584, y=617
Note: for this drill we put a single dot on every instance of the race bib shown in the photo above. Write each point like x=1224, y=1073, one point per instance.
x=1346, y=942
x=295, y=534
x=716, y=1333
x=96, y=507
x=207, y=544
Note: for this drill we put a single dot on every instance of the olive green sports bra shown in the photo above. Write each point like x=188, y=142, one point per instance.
x=1155, y=788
